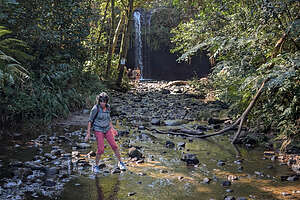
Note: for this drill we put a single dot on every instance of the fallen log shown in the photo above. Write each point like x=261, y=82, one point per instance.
x=168, y=132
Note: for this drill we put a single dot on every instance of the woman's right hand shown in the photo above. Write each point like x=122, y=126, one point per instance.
x=87, y=137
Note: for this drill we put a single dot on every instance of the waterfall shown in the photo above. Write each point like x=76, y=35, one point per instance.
x=138, y=42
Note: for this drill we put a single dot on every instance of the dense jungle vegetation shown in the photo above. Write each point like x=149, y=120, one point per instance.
x=55, y=54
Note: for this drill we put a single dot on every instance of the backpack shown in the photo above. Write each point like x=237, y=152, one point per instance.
x=98, y=109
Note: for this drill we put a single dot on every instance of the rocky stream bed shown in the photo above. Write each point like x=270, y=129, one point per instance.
x=158, y=125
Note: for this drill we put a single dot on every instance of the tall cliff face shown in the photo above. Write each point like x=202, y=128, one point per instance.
x=150, y=48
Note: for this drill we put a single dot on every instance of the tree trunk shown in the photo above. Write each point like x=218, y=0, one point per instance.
x=104, y=17
x=111, y=35
x=125, y=42
x=117, y=32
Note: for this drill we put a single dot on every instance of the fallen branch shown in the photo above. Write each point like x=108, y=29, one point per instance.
x=244, y=115
x=169, y=132
x=240, y=119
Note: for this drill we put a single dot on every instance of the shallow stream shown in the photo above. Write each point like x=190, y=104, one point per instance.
x=224, y=171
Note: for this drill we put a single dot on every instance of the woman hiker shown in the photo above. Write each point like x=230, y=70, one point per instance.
x=102, y=125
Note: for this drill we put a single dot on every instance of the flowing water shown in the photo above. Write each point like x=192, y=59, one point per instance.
x=162, y=175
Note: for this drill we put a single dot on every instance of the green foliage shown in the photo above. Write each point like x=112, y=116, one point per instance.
x=250, y=42
x=55, y=34
x=11, y=71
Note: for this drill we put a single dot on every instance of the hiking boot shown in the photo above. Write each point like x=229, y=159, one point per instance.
x=122, y=166
x=96, y=169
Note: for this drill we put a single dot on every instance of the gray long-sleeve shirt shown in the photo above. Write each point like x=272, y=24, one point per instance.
x=102, y=120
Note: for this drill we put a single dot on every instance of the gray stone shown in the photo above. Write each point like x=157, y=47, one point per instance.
x=52, y=171
x=226, y=183
x=83, y=145
x=190, y=159
x=170, y=144
x=49, y=183
x=134, y=153
x=176, y=122
x=206, y=180
x=181, y=144
x=155, y=121
x=229, y=198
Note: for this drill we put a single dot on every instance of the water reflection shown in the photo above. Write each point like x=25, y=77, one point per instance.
x=113, y=194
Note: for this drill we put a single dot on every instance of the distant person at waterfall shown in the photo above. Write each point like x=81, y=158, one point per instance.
x=101, y=124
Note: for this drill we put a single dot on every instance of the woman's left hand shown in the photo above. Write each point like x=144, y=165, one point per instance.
x=114, y=131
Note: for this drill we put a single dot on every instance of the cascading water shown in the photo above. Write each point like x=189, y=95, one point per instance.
x=138, y=42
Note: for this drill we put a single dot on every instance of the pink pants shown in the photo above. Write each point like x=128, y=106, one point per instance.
x=109, y=136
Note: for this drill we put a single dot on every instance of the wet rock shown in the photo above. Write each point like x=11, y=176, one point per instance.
x=190, y=159
x=52, y=171
x=134, y=153
x=50, y=156
x=226, y=183
x=241, y=168
x=56, y=152
x=131, y=193
x=75, y=153
x=273, y=158
x=206, y=180
x=229, y=198
x=17, y=136
x=232, y=177
x=22, y=173
x=163, y=171
x=215, y=121
x=285, y=194
x=201, y=128
x=142, y=174
x=269, y=153
x=140, y=161
x=216, y=126
x=83, y=145
x=102, y=165
x=291, y=161
x=34, y=166
x=66, y=155
x=91, y=153
x=116, y=171
x=155, y=121
x=50, y=183
x=165, y=91
x=283, y=178
x=229, y=190
x=181, y=144
x=221, y=163
x=238, y=162
x=123, y=133
x=259, y=173
x=170, y=144
x=10, y=185
x=176, y=122
x=293, y=178
x=16, y=164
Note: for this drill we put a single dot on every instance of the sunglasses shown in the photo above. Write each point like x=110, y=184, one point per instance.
x=103, y=100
